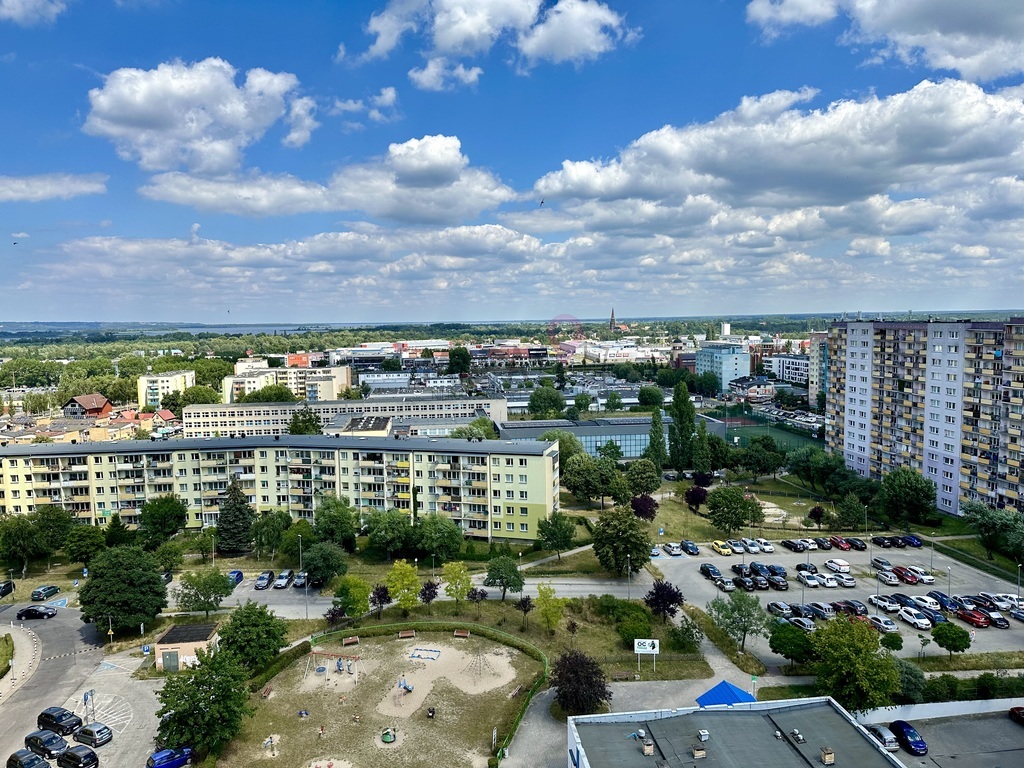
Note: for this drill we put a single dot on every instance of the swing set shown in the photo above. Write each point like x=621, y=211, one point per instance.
x=320, y=661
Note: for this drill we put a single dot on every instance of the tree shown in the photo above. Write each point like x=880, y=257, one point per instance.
x=568, y=445
x=791, y=642
x=758, y=460
x=20, y=540
x=800, y=463
x=253, y=635
x=169, y=555
x=502, y=572
x=579, y=683
x=643, y=477
x=581, y=478
x=379, y=598
x=992, y=525
x=391, y=364
x=664, y=599
x=457, y=583
x=53, y=524
x=203, y=591
x=545, y=403
x=645, y=507
x=289, y=547
x=621, y=541
x=850, y=513
x=323, y=561
x=389, y=531
x=84, y=542
x=740, y=615
x=353, y=596
x=680, y=434
x=124, y=585
x=459, y=360
x=199, y=395
x=172, y=402
x=481, y=428
x=202, y=543
x=951, y=637
x=911, y=685
x=438, y=535
x=549, y=607
x=274, y=393
x=204, y=705
x=852, y=668
x=524, y=605
x=817, y=515
x=892, y=641
x=613, y=402
x=118, y=534
x=403, y=585
x=906, y=496
x=428, y=593
x=582, y=402
x=235, y=521
x=160, y=519
x=729, y=509
x=560, y=379
x=476, y=596
x=336, y=521
x=268, y=531
x=305, y=421
x=610, y=450
x=655, y=450
x=557, y=532
x=701, y=450
x=650, y=397
x=694, y=497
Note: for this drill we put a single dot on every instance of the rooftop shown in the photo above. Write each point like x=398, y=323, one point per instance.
x=187, y=633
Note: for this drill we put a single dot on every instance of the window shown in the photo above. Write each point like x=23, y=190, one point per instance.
x=510, y=526
x=524, y=511
x=523, y=495
x=496, y=509
x=509, y=478
x=496, y=525
x=524, y=527
x=522, y=479
x=510, y=511
x=496, y=477
x=522, y=462
x=510, y=494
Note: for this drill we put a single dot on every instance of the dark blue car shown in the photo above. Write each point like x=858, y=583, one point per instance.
x=170, y=758
x=912, y=541
x=689, y=547
x=908, y=737
x=942, y=599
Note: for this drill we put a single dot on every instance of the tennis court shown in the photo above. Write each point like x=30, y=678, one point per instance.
x=788, y=441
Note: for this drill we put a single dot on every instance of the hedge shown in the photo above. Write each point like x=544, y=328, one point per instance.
x=6, y=654
x=278, y=663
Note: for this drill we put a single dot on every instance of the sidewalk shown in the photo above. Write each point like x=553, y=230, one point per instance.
x=26, y=659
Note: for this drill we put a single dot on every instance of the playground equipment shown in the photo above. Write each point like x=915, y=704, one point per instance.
x=404, y=684
x=388, y=735
x=426, y=654
x=478, y=666
x=319, y=660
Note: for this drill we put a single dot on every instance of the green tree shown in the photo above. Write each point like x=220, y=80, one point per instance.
x=610, y=450
x=438, y=535
x=172, y=402
x=20, y=540
x=801, y=461
x=459, y=360
x=791, y=642
x=568, y=445
x=457, y=582
x=353, y=596
x=391, y=364
x=891, y=641
x=906, y=496
x=403, y=585
x=305, y=421
x=53, y=524
x=579, y=683
x=118, y=534
x=199, y=395
x=560, y=378
x=202, y=543
x=729, y=510
x=740, y=615
x=323, y=561
x=235, y=521
x=651, y=397
x=124, y=585
x=290, y=546
x=852, y=668
x=204, y=705
x=557, y=532
x=643, y=477
x=169, y=555
x=613, y=402
x=274, y=393
x=701, y=450
x=951, y=637
x=203, y=591
x=582, y=402
x=84, y=542
x=161, y=518
x=680, y=434
x=992, y=525
x=481, y=428
x=549, y=607
x=850, y=513
x=253, y=635
x=581, y=478
x=621, y=541
x=268, y=531
x=389, y=531
x=337, y=521
x=758, y=460
x=664, y=599
x=545, y=403
x=911, y=689
x=655, y=450
x=503, y=573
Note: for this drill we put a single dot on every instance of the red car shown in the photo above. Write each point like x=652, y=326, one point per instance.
x=973, y=618
x=839, y=543
x=905, y=575
x=1017, y=714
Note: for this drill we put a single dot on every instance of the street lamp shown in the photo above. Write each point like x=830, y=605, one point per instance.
x=213, y=551
x=629, y=576
x=949, y=579
x=520, y=561
x=305, y=581
x=431, y=566
x=1018, y=584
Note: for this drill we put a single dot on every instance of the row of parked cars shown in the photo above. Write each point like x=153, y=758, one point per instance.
x=284, y=579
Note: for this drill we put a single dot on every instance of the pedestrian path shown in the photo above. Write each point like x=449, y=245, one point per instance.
x=25, y=663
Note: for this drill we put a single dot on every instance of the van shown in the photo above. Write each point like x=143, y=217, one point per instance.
x=885, y=737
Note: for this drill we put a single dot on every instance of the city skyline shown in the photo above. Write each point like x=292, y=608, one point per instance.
x=424, y=160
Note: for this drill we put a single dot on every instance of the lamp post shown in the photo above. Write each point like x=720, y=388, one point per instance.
x=949, y=580
x=305, y=582
x=932, y=564
x=213, y=549
x=629, y=576
x=520, y=561
x=1018, y=584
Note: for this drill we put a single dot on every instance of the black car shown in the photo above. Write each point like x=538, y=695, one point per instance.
x=822, y=542
x=46, y=744
x=760, y=568
x=935, y=617
x=26, y=758
x=740, y=569
x=689, y=548
x=995, y=618
x=982, y=602
x=881, y=541
x=776, y=570
x=747, y=585
x=6, y=587
x=801, y=610
x=760, y=582
x=301, y=580
x=942, y=599
x=856, y=544
x=78, y=757
x=850, y=607
x=777, y=582
x=59, y=720
x=796, y=546
x=264, y=580
x=898, y=542
x=807, y=567
x=904, y=600
x=37, y=612
x=709, y=571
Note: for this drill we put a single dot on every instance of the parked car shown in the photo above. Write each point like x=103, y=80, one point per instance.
x=898, y=542
x=924, y=601
x=911, y=540
x=961, y=601
x=1017, y=715
x=78, y=757
x=264, y=580
x=935, y=617
x=840, y=543
x=809, y=544
x=6, y=587
x=777, y=582
x=236, y=577
x=922, y=574
x=26, y=758
x=672, y=548
x=1016, y=613
x=827, y=580
x=1013, y=600
x=45, y=593
x=943, y=600
x=881, y=541
x=779, y=608
x=856, y=544
x=806, y=568
x=823, y=611
x=301, y=580
x=849, y=608
x=765, y=545
x=793, y=545
x=809, y=580
x=751, y=546
x=981, y=602
x=59, y=720
x=845, y=580
x=995, y=618
x=822, y=542
x=914, y=618
x=881, y=564
x=760, y=568
x=37, y=612
x=709, y=571
x=888, y=578
x=46, y=744
x=724, y=584
x=689, y=548
x=972, y=617
x=760, y=582
x=1000, y=602
x=166, y=577
x=170, y=758
x=284, y=579
x=885, y=737
x=905, y=601
x=801, y=623
x=94, y=734
x=908, y=737
x=837, y=565
x=883, y=624
x=801, y=610
x=736, y=546
x=905, y=575
x=721, y=548
x=655, y=551
x=744, y=583
x=777, y=570
x=740, y=569
x=884, y=602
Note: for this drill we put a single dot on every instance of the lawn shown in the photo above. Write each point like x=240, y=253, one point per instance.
x=971, y=661
x=780, y=692
x=787, y=441
x=970, y=551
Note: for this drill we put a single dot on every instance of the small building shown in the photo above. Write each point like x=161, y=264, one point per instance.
x=179, y=646
x=94, y=406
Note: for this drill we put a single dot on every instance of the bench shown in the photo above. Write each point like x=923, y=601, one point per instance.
x=515, y=691
x=267, y=690
x=620, y=676
x=407, y=634
x=461, y=633
x=353, y=640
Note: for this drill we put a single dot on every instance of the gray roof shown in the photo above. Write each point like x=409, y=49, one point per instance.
x=187, y=633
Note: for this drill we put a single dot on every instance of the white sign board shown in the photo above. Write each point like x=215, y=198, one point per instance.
x=649, y=647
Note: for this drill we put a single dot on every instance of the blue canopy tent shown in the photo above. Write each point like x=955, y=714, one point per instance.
x=724, y=693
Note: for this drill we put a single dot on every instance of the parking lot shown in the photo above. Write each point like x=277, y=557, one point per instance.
x=950, y=575
x=977, y=741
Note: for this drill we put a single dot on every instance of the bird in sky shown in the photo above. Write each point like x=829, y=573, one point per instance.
x=541, y=204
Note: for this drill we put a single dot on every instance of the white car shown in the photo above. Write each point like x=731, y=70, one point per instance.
x=845, y=580
x=1016, y=602
x=884, y=602
x=672, y=548
x=809, y=544
x=751, y=546
x=926, y=602
x=827, y=580
x=923, y=574
x=765, y=545
x=888, y=578
x=914, y=618
x=807, y=579
x=1001, y=602
x=837, y=565
x=883, y=624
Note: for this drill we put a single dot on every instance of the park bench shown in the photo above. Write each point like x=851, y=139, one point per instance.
x=461, y=633
x=267, y=689
x=515, y=691
x=620, y=676
x=407, y=634
x=353, y=640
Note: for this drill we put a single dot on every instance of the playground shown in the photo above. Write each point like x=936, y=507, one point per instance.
x=386, y=702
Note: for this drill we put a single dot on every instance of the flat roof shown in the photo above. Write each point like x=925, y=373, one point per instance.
x=187, y=633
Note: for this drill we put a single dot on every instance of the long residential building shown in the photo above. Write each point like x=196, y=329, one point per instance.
x=311, y=384
x=943, y=398
x=153, y=387
x=490, y=488
x=245, y=419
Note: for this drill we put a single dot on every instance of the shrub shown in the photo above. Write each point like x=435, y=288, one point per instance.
x=632, y=628
x=941, y=688
x=987, y=686
x=278, y=663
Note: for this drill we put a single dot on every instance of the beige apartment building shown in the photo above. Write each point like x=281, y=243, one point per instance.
x=491, y=489
x=312, y=384
x=154, y=386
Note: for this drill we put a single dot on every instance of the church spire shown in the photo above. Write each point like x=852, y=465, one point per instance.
x=611, y=325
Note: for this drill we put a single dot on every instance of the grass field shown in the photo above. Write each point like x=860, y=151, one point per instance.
x=788, y=441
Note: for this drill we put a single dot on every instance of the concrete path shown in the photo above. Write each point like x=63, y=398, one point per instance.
x=26, y=660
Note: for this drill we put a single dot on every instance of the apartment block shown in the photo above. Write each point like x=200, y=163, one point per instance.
x=728, y=361
x=490, y=488
x=792, y=368
x=153, y=387
x=817, y=369
x=304, y=383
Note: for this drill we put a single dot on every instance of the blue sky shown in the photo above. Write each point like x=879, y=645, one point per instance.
x=356, y=161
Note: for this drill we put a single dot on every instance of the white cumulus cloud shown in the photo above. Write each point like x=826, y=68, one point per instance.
x=576, y=31
x=30, y=12
x=50, y=186
x=301, y=121
x=439, y=75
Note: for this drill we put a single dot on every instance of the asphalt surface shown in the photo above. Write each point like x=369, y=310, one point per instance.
x=977, y=741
